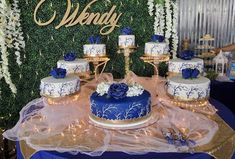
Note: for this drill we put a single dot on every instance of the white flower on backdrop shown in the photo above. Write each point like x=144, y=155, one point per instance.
x=165, y=14
x=11, y=37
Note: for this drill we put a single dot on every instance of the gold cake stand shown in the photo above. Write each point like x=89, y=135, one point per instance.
x=155, y=60
x=98, y=61
x=127, y=51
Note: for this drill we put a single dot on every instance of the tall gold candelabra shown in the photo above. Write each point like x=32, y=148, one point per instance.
x=127, y=51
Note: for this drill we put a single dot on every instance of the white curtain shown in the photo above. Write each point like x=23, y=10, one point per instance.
x=200, y=17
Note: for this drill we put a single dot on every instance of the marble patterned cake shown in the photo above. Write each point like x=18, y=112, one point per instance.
x=94, y=50
x=126, y=41
x=188, y=89
x=74, y=67
x=116, y=104
x=177, y=65
x=59, y=85
x=156, y=48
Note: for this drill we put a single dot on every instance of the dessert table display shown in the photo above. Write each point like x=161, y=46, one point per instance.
x=134, y=115
x=66, y=127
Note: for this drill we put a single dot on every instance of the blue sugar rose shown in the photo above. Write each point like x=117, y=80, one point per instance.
x=94, y=39
x=157, y=38
x=126, y=31
x=189, y=73
x=70, y=56
x=58, y=73
x=186, y=55
x=118, y=90
x=186, y=73
x=195, y=73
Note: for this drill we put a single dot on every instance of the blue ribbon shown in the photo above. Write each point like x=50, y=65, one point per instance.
x=126, y=31
x=94, y=39
x=58, y=73
x=157, y=38
x=189, y=73
x=186, y=55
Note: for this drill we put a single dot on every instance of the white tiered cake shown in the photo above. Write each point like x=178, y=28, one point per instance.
x=94, y=50
x=74, y=67
x=188, y=89
x=55, y=87
x=177, y=65
x=157, y=46
x=126, y=39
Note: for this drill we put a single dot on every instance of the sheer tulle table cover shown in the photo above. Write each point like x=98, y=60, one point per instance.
x=65, y=127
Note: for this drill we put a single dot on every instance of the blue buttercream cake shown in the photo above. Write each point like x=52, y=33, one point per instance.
x=119, y=103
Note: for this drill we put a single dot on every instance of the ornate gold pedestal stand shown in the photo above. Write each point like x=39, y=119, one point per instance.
x=155, y=60
x=98, y=62
x=127, y=51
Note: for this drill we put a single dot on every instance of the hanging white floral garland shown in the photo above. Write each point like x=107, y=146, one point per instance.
x=175, y=38
x=165, y=21
x=150, y=7
x=168, y=20
x=10, y=37
x=159, y=20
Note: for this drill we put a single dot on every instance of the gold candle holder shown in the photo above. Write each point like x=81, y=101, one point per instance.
x=127, y=51
x=155, y=60
x=98, y=62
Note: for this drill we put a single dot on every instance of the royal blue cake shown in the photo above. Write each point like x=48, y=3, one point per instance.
x=120, y=105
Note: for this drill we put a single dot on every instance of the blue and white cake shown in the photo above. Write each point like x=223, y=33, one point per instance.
x=120, y=105
x=189, y=87
x=177, y=65
x=126, y=39
x=157, y=46
x=73, y=65
x=59, y=85
x=186, y=60
x=94, y=48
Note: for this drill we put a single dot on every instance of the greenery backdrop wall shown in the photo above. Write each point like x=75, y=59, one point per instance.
x=45, y=45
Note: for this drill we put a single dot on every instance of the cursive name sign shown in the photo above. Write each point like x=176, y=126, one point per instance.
x=108, y=20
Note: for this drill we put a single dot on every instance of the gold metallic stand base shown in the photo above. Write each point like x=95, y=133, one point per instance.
x=127, y=51
x=98, y=62
x=155, y=60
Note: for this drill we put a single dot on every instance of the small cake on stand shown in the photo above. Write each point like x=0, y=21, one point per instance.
x=60, y=87
x=156, y=51
x=95, y=52
x=127, y=46
x=74, y=65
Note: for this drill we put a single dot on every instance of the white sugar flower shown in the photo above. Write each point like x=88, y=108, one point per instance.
x=103, y=88
x=135, y=90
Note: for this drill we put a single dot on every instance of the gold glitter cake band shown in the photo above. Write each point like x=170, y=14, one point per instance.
x=188, y=100
x=119, y=122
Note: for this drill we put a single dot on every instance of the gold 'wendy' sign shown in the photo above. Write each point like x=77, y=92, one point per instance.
x=109, y=20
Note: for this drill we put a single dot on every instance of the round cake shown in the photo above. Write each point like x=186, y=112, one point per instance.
x=94, y=50
x=54, y=88
x=131, y=110
x=156, y=48
x=188, y=89
x=177, y=65
x=74, y=67
x=126, y=41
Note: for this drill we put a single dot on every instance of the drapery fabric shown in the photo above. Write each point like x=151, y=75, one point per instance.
x=65, y=127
